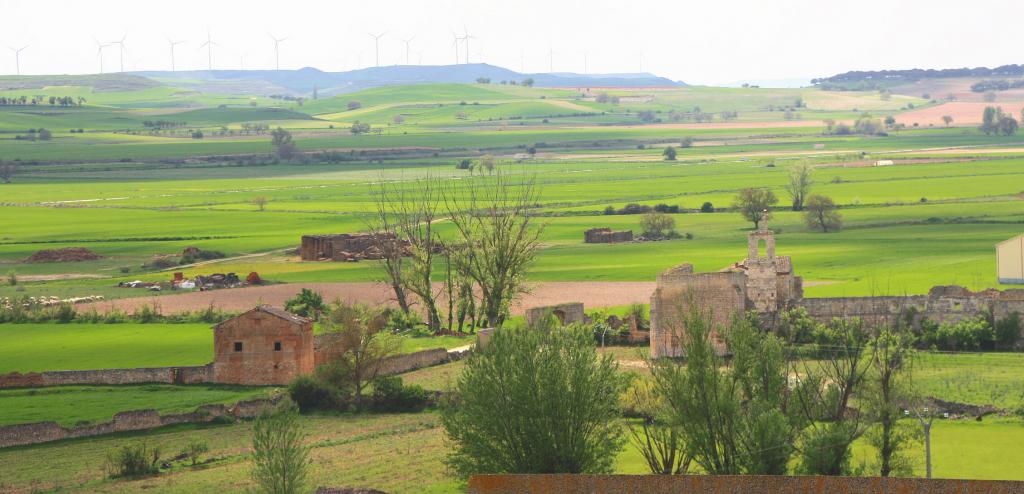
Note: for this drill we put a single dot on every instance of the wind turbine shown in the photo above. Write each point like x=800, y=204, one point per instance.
x=551, y=59
x=209, y=44
x=17, y=58
x=585, y=56
x=173, y=44
x=120, y=44
x=277, y=44
x=455, y=43
x=467, y=37
x=99, y=52
x=407, y=41
x=376, y=45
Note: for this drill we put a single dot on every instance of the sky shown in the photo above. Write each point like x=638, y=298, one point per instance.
x=707, y=42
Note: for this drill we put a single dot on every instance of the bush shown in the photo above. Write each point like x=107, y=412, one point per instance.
x=280, y=459
x=967, y=335
x=707, y=207
x=390, y=395
x=1007, y=330
x=686, y=142
x=306, y=303
x=311, y=393
x=134, y=460
x=12, y=277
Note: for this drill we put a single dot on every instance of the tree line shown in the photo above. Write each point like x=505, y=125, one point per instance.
x=64, y=101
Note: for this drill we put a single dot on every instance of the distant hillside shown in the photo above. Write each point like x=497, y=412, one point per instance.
x=304, y=81
x=877, y=78
x=99, y=82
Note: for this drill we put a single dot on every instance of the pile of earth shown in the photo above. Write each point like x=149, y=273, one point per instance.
x=67, y=254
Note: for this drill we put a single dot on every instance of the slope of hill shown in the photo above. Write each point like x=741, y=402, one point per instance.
x=305, y=80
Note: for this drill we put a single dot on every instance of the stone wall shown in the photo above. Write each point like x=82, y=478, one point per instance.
x=606, y=236
x=719, y=296
x=400, y=364
x=347, y=246
x=134, y=420
x=568, y=313
x=144, y=375
x=943, y=304
x=731, y=484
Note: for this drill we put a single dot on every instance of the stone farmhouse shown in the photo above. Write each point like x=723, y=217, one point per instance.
x=765, y=284
x=263, y=346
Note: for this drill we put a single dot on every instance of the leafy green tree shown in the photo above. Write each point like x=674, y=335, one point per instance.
x=536, y=400
x=821, y=214
x=284, y=146
x=658, y=225
x=279, y=457
x=799, y=184
x=887, y=389
x=306, y=303
x=357, y=342
x=669, y=153
x=755, y=203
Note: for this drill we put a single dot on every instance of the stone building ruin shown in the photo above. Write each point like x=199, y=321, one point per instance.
x=606, y=236
x=567, y=313
x=263, y=346
x=764, y=283
x=349, y=247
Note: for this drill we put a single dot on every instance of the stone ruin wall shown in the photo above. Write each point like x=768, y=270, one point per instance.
x=145, y=375
x=135, y=420
x=337, y=246
x=567, y=313
x=943, y=304
x=606, y=236
x=718, y=295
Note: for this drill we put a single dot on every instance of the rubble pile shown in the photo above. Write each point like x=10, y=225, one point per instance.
x=67, y=254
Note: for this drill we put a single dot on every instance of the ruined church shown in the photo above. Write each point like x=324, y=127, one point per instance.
x=765, y=284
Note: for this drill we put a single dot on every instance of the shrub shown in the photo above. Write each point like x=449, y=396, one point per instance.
x=279, y=457
x=65, y=313
x=1007, y=330
x=146, y=314
x=707, y=207
x=133, y=460
x=686, y=142
x=390, y=395
x=12, y=277
x=311, y=393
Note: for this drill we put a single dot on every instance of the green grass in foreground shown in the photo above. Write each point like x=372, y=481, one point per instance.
x=72, y=405
x=403, y=454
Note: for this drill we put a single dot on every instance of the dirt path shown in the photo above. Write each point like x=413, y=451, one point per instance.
x=592, y=294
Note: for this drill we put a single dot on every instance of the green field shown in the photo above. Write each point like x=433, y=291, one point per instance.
x=124, y=345
x=402, y=453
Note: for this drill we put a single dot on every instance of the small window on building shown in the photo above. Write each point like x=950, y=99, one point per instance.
x=238, y=346
x=277, y=346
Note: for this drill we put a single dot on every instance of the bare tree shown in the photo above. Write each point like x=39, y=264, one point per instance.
x=260, y=202
x=948, y=119
x=495, y=224
x=799, y=184
x=283, y=144
x=411, y=211
x=384, y=229
x=357, y=341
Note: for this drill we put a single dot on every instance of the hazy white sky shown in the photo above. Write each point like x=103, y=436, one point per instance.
x=699, y=42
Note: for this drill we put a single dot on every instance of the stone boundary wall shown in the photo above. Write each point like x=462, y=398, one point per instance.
x=731, y=484
x=606, y=236
x=134, y=420
x=400, y=364
x=142, y=375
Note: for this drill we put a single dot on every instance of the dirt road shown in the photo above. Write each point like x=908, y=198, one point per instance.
x=592, y=294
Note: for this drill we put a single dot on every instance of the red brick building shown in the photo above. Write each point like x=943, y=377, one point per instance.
x=262, y=346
